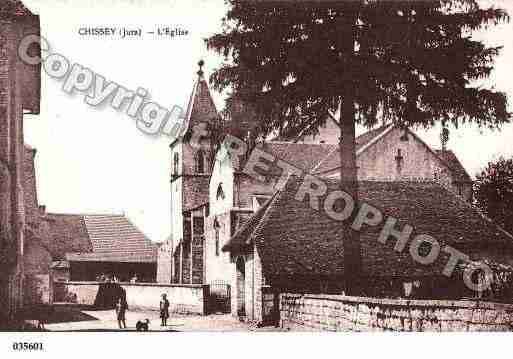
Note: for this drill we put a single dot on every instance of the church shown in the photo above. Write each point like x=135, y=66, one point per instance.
x=232, y=228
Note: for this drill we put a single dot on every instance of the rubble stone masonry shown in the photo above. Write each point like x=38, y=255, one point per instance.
x=343, y=313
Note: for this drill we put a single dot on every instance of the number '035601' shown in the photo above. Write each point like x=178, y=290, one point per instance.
x=27, y=346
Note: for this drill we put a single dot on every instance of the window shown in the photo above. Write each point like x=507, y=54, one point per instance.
x=175, y=164
x=399, y=159
x=217, y=242
x=217, y=226
x=220, y=192
x=200, y=162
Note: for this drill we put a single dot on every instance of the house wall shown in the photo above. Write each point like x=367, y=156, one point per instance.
x=37, y=261
x=254, y=282
x=378, y=162
x=341, y=313
x=218, y=268
x=164, y=262
x=222, y=174
x=13, y=85
x=329, y=133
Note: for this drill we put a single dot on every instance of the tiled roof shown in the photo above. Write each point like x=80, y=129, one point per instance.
x=115, y=239
x=332, y=161
x=301, y=155
x=69, y=234
x=100, y=238
x=293, y=239
x=454, y=164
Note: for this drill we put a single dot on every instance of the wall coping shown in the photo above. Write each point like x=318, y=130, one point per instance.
x=135, y=284
x=474, y=304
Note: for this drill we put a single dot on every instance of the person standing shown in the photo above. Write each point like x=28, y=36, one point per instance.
x=164, y=310
x=121, y=308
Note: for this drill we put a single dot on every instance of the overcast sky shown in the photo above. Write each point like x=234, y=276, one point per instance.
x=93, y=160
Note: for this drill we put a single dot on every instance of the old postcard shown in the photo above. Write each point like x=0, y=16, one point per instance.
x=254, y=166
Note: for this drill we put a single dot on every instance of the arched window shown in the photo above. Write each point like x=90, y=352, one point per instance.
x=217, y=226
x=175, y=164
x=220, y=192
x=200, y=162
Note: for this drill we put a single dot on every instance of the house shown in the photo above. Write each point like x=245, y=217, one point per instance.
x=19, y=94
x=287, y=246
x=92, y=245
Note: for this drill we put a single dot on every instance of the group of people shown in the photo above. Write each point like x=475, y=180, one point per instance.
x=112, y=278
x=122, y=307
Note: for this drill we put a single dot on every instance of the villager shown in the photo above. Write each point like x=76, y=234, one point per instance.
x=121, y=308
x=164, y=310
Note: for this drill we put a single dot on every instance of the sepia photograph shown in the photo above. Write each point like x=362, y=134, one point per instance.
x=225, y=167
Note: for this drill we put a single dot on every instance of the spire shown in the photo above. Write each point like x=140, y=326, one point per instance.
x=201, y=106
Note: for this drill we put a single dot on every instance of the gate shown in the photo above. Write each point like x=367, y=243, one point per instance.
x=220, y=297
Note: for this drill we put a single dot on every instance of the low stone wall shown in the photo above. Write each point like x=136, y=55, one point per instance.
x=342, y=313
x=183, y=298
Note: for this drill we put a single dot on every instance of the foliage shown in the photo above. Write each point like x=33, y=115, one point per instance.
x=494, y=192
x=407, y=61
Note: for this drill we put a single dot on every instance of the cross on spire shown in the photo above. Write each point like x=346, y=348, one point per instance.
x=200, y=71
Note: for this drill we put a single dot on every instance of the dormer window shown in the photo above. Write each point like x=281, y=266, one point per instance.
x=259, y=201
x=200, y=162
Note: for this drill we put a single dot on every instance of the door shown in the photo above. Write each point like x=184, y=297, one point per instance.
x=241, y=282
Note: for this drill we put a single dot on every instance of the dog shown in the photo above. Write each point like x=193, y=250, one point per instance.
x=142, y=326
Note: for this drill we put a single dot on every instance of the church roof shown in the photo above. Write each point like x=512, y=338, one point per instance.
x=294, y=239
x=449, y=157
x=301, y=155
x=201, y=107
x=100, y=238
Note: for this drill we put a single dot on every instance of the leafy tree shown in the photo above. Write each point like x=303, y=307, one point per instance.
x=413, y=62
x=494, y=192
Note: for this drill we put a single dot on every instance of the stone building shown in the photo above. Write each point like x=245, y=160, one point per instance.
x=85, y=247
x=212, y=195
x=289, y=247
x=19, y=94
x=37, y=253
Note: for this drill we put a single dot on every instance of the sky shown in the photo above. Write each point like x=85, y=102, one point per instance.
x=95, y=160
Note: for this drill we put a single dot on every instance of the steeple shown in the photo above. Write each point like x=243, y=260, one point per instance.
x=201, y=107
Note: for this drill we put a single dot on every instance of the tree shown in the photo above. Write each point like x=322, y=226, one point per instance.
x=494, y=192
x=299, y=62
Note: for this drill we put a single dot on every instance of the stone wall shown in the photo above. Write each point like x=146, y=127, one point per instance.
x=342, y=313
x=183, y=298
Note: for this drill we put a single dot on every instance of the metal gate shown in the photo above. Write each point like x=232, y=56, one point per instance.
x=220, y=297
